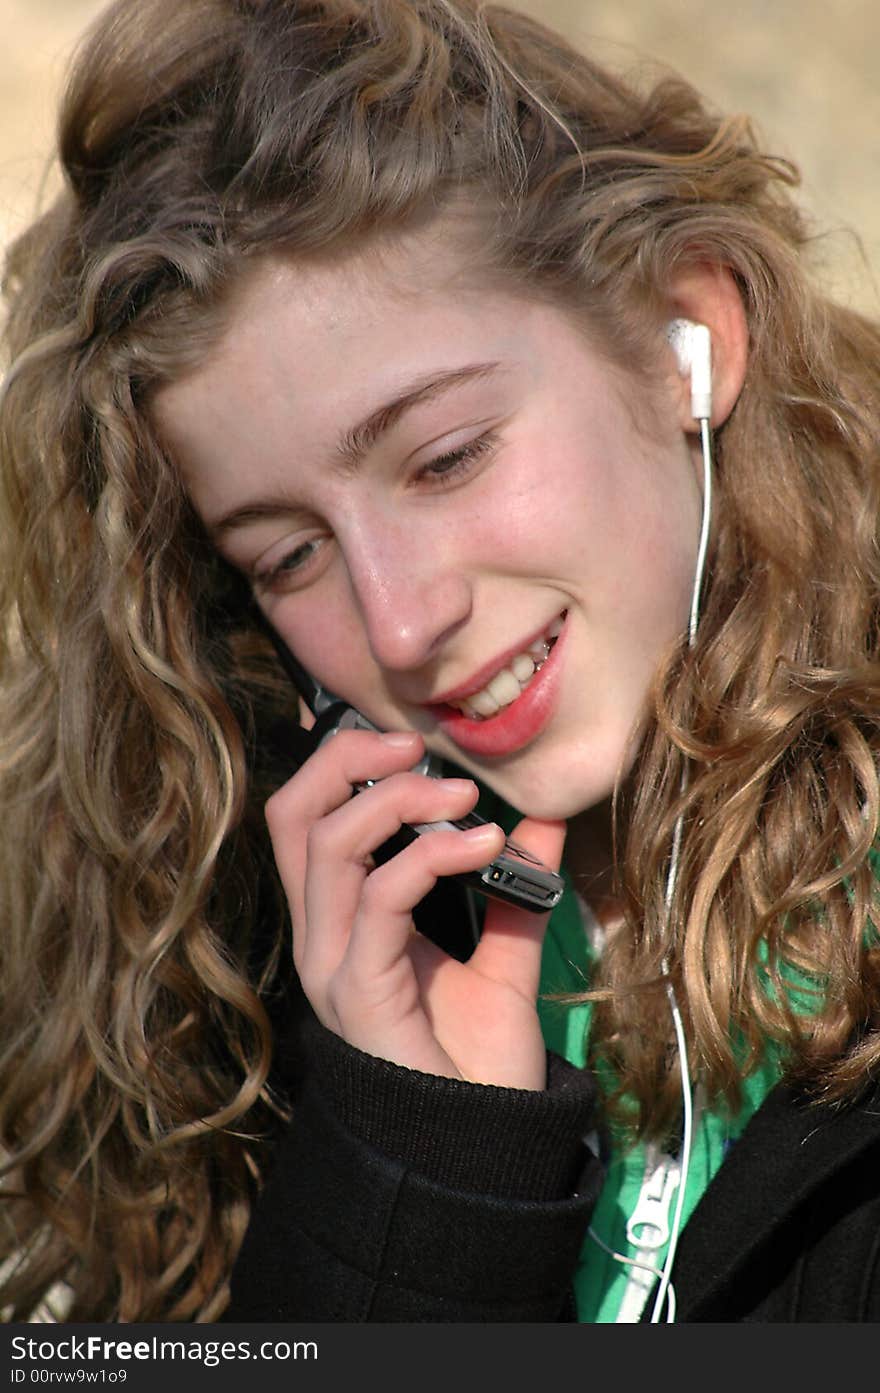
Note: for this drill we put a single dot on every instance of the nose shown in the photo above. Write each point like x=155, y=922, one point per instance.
x=412, y=595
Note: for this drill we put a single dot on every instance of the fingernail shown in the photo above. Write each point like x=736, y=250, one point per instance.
x=398, y=739
x=458, y=785
x=487, y=833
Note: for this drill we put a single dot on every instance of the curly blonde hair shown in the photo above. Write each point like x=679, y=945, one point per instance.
x=138, y=949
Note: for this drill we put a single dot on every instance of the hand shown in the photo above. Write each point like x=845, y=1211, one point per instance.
x=369, y=975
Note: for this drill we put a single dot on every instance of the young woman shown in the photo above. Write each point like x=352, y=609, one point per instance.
x=396, y=340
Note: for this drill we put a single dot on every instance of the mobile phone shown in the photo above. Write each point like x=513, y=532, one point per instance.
x=514, y=875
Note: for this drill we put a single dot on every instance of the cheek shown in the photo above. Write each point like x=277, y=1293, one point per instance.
x=326, y=639
x=645, y=518
x=515, y=522
x=577, y=491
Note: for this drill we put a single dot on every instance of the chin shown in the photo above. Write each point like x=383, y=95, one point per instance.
x=558, y=779
x=550, y=799
x=558, y=808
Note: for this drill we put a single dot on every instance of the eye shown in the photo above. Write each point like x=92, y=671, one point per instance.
x=456, y=464
x=290, y=568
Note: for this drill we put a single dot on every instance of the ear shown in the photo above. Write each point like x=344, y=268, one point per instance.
x=707, y=293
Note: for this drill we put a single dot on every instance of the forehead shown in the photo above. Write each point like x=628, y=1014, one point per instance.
x=309, y=346
x=312, y=350
x=361, y=286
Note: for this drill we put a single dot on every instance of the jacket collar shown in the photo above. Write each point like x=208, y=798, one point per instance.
x=790, y=1147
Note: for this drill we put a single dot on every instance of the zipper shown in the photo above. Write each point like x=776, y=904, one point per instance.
x=648, y=1230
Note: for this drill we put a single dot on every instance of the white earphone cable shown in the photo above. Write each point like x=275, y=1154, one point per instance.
x=692, y=345
x=665, y=1291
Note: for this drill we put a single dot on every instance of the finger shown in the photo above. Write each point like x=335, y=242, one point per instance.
x=338, y=858
x=383, y=926
x=510, y=944
x=324, y=783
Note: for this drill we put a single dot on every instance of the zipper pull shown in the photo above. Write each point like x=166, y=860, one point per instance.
x=648, y=1225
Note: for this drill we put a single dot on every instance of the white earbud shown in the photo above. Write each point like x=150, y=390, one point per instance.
x=692, y=345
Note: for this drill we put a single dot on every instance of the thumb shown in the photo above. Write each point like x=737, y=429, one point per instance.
x=510, y=944
x=542, y=839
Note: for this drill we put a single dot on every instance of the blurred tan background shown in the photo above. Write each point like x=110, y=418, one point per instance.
x=806, y=70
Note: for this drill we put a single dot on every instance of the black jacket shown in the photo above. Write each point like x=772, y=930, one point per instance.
x=396, y=1196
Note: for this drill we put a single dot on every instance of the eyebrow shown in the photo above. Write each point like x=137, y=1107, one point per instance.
x=356, y=442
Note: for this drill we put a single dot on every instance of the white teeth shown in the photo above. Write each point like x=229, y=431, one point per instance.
x=507, y=684
x=482, y=703
x=504, y=687
x=522, y=668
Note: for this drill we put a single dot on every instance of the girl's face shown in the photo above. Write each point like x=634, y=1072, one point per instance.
x=427, y=484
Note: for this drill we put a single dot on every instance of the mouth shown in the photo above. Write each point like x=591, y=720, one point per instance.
x=509, y=707
x=510, y=681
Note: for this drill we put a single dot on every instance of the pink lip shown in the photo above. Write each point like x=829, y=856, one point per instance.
x=483, y=675
x=516, y=725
